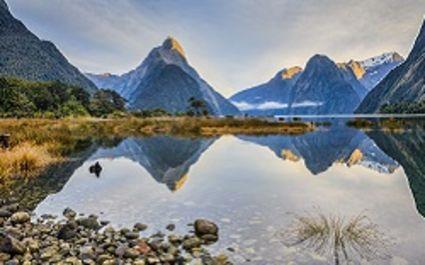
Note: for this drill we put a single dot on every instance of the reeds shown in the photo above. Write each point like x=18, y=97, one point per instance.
x=25, y=160
x=340, y=239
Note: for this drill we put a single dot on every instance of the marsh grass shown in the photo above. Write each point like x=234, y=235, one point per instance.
x=343, y=240
x=25, y=160
x=37, y=143
x=385, y=124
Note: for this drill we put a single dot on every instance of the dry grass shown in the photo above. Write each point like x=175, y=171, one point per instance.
x=385, y=124
x=36, y=143
x=340, y=239
x=25, y=160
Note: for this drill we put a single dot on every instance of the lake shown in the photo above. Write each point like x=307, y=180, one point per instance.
x=330, y=196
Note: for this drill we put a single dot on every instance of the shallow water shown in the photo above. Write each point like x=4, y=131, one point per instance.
x=256, y=188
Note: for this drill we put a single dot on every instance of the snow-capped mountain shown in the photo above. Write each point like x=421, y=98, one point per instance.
x=385, y=58
x=165, y=80
x=371, y=71
x=406, y=83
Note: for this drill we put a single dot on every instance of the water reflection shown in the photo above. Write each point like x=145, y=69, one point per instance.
x=167, y=159
x=248, y=191
x=321, y=149
x=337, y=238
x=408, y=148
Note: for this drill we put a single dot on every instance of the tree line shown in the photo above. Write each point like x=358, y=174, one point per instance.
x=404, y=108
x=53, y=99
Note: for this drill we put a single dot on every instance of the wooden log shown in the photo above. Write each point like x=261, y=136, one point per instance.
x=4, y=141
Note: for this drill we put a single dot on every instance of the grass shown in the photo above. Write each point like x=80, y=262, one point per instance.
x=387, y=124
x=25, y=160
x=341, y=239
x=38, y=143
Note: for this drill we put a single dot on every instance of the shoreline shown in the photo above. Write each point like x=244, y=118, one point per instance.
x=80, y=239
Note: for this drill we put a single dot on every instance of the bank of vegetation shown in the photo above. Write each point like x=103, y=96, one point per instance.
x=37, y=143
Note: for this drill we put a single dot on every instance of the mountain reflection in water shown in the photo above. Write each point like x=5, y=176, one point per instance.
x=167, y=159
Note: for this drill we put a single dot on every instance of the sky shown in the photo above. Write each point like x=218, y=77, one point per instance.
x=233, y=44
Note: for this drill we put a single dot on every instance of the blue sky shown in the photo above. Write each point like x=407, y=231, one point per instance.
x=234, y=44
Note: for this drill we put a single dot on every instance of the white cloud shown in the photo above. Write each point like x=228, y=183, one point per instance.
x=243, y=106
x=307, y=103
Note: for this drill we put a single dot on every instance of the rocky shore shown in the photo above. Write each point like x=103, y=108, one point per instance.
x=78, y=239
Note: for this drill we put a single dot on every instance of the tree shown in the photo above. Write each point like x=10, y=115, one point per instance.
x=105, y=102
x=197, y=107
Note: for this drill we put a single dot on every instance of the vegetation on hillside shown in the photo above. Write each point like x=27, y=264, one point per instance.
x=404, y=108
x=20, y=98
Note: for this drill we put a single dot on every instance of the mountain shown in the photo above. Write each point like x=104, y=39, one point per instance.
x=371, y=71
x=24, y=55
x=323, y=88
x=406, y=83
x=268, y=98
x=167, y=159
x=165, y=80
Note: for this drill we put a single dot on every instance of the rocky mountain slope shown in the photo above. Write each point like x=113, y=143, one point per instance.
x=273, y=97
x=323, y=88
x=270, y=97
x=165, y=80
x=24, y=55
x=406, y=83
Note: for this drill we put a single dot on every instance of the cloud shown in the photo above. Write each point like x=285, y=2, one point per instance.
x=307, y=103
x=244, y=106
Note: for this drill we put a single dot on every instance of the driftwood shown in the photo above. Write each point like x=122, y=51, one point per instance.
x=4, y=141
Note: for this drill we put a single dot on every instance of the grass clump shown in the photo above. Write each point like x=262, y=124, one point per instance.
x=25, y=160
x=341, y=239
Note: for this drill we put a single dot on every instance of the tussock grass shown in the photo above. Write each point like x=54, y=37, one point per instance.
x=341, y=239
x=25, y=160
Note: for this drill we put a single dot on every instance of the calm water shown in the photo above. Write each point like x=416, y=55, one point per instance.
x=256, y=188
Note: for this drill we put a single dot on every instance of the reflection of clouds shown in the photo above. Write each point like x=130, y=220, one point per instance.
x=342, y=239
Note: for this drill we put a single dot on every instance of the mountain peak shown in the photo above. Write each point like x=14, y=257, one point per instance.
x=320, y=63
x=172, y=44
x=388, y=57
x=289, y=73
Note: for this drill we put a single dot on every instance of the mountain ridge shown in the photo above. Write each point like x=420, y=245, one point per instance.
x=406, y=83
x=24, y=55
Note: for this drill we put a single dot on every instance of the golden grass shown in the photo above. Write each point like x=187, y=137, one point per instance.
x=37, y=143
x=25, y=160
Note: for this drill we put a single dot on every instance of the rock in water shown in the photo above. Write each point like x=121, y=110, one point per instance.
x=205, y=227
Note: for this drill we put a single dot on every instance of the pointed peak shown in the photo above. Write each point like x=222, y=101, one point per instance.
x=172, y=44
x=289, y=73
x=319, y=59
